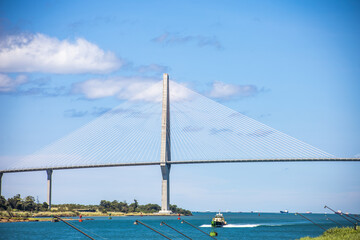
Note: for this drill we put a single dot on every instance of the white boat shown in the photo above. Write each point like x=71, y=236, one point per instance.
x=218, y=220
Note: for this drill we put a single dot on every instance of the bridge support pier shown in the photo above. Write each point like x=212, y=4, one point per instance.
x=165, y=155
x=1, y=175
x=49, y=186
x=165, y=190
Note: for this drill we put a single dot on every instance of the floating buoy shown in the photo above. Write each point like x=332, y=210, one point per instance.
x=80, y=218
x=213, y=233
x=179, y=216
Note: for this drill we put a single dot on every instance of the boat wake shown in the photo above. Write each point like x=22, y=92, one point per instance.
x=233, y=225
x=244, y=225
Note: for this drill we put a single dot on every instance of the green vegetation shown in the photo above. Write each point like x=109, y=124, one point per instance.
x=175, y=209
x=337, y=234
x=115, y=206
x=25, y=205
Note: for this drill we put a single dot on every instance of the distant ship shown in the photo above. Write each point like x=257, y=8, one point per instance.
x=285, y=211
x=218, y=220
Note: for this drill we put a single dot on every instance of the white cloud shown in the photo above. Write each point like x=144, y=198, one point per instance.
x=123, y=88
x=41, y=53
x=223, y=90
x=130, y=88
x=7, y=84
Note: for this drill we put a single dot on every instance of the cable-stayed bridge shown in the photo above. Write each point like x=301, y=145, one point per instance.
x=165, y=125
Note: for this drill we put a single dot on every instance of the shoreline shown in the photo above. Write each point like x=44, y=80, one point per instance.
x=32, y=219
x=19, y=216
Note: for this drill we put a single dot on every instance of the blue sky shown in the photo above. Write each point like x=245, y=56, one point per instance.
x=293, y=65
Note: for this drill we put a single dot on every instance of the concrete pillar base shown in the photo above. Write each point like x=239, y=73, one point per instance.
x=165, y=212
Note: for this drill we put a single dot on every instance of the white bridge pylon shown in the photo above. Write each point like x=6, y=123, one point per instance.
x=165, y=156
x=194, y=130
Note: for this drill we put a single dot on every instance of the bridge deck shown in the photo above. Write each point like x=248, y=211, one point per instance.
x=185, y=162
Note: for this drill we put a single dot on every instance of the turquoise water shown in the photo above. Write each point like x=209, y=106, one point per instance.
x=240, y=226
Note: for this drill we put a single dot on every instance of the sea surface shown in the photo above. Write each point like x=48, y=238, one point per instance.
x=240, y=226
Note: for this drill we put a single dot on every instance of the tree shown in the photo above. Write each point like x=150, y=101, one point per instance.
x=123, y=207
x=15, y=202
x=105, y=204
x=45, y=206
x=29, y=204
x=114, y=205
x=149, y=208
x=3, y=203
x=173, y=208
x=134, y=206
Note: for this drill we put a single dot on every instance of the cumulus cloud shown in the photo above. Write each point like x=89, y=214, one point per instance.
x=130, y=88
x=121, y=87
x=8, y=84
x=199, y=40
x=224, y=90
x=41, y=53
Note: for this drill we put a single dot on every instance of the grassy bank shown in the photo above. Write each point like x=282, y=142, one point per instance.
x=25, y=214
x=28, y=219
x=337, y=234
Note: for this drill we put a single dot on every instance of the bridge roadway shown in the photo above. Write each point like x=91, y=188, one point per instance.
x=185, y=162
